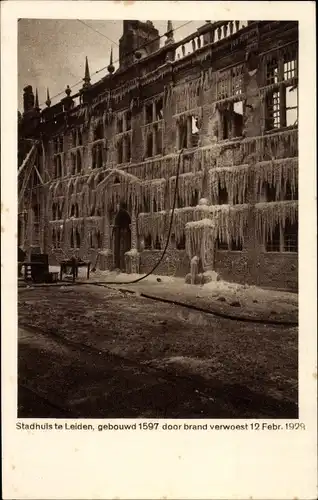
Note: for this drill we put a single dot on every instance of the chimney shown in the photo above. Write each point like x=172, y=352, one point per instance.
x=137, y=36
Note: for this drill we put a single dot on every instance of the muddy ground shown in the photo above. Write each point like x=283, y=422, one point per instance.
x=148, y=359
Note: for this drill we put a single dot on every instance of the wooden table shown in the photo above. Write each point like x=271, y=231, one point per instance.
x=74, y=265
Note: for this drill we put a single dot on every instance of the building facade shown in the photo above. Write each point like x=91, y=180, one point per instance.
x=196, y=139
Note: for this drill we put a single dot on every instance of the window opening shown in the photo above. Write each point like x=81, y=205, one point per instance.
x=273, y=240
x=181, y=243
x=159, y=109
x=149, y=117
x=148, y=242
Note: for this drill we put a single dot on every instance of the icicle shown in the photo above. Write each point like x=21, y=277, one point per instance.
x=234, y=179
x=270, y=214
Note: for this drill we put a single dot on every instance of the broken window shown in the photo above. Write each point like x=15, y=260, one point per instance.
x=223, y=88
x=79, y=161
x=181, y=243
x=90, y=240
x=80, y=137
x=149, y=146
x=98, y=240
x=194, y=132
x=236, y=246
x=119, y=124
x=291, y=105
x=291, y=237
x=194, y=199
x=148, y=112
x=225, y=126
x=157, y=244
x=74, y=138
x=223, y=196
x=120, y=152
x=60, y=211
x=272, y=71
x=73, y=171
x=147, y=242
x=99, y=132
x=290, y=66
x=273, y=110
x=78, y=238
x=290, y=194
x=282, y=101
x=182, y=135
x=159, y=109
x=99, y=154
x=273, y=243
x=222, y=245
x=127, y=149
x=53, y=238
x=158, y=139
x=128, y=120
x=237, y=119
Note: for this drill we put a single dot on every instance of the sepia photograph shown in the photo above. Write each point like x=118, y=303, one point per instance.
x=157, y=192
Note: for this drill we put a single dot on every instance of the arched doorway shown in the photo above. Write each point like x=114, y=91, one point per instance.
x=121, y=238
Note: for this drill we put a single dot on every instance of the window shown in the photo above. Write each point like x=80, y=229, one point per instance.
x=291, y=106
x=272, y=71
x=223, y=196
x=182, y=135
x=236, y=246
x=98, y=239
x=60, y=211
x=73, y=171
x=73, y=138
x=194, y=132
x=149, y=146
x=80, y=137
x=78, y=239
x=148, y=113
x=128, y=120
x=158, y=139
x=291, y=237
x=119, y=124
x=273, y=110
x=282, y=101
x=181, y=243
x=127, y=140
x=90, y=240
x=283, y=239
x=148, y=242
x=120, y=152
x=273, y=240
x=159, y=109
x=222, y=245
x=54, y=211
x=99, y=132
x=78, y=161
x=53, y=239
x=157, y=244
x=238, y=119
x=99, y=154
x=223, y=88
x=194, y=199
x=233, y=246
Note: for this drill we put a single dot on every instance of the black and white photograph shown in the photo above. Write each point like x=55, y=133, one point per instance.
x=157, y=191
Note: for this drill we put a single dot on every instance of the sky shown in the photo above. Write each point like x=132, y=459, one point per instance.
x=51, y=52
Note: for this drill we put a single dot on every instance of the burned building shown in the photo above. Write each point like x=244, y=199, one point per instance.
x=194, y=141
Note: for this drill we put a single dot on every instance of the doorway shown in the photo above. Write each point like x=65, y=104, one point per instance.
x=121, y=238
